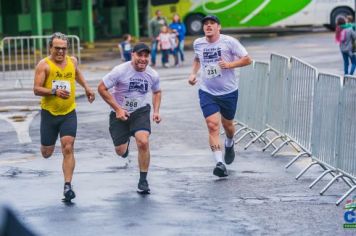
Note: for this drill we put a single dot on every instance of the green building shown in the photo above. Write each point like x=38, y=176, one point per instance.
x=89, y=19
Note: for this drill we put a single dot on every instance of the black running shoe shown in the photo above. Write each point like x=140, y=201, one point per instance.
x=229, y=155
x=220, y=170
x=127, y=150
x=143, y=187
x=68, y=192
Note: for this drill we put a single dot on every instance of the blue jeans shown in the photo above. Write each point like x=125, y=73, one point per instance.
x=154, y=52
x=165, y=55
x=346, y=56
x=181, y=49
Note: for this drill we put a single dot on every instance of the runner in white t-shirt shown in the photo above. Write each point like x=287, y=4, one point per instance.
x=217, y=56
x=130, y=85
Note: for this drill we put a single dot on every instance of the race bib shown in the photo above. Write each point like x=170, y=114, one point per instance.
x=131, y=104
x=212, y=71
x=61, y=84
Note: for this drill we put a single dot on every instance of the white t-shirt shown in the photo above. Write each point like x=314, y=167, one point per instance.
x=131, y=88
x=213, y=79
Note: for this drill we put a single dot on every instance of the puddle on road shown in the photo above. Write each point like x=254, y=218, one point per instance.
x=15, y=172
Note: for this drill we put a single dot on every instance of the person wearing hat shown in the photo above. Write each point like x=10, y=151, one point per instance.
x=216, y=56
x=130, y=84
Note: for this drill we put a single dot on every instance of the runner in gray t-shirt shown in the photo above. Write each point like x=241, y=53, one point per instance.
x=217, y=56
x=130, y=85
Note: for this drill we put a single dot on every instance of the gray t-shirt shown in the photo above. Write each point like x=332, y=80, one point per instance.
x=347, y=41
x=131, y=88
x=213, y=79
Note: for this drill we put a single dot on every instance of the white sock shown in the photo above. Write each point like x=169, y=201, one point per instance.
x=229, y=142
x=218, y=156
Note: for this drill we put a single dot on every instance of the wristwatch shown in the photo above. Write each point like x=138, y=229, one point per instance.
x=53, y=91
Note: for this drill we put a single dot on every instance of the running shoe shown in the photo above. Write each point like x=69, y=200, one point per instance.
x=127, y=150
x=229, y=155
x=68, y=192
x=220, y=170
x=143, y=187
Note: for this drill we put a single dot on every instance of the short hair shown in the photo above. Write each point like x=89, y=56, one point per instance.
x=58, y=35
x=126, y=36
x=349, y=18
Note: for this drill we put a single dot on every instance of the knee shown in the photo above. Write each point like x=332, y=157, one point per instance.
x=120, y=150
x=46, y=154
x=142, y=144
x=213, y=126
x=67, y=149
x=47, y=151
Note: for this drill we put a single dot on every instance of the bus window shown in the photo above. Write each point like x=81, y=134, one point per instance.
x=163, y=2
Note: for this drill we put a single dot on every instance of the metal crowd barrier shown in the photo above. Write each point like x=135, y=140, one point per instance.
x=346, y=136
x=299, y=91
x=255, y=95
x=244, y=103
x=324, y=128
x=20, y=55
x=275, y=115
x=316, y=112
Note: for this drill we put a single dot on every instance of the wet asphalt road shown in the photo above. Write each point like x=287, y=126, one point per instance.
x=259, y=197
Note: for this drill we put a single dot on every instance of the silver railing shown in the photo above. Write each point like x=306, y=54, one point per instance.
x=314, y=112
x=20, y=55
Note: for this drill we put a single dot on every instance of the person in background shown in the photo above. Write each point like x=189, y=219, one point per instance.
x=164, y=45
x=173, y=38
x=350, y=22
x=345, y=37
x=125, y=48
x=181, y=31
x=154, y=30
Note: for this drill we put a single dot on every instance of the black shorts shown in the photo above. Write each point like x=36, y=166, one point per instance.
x=121, y=131
x=51, y=126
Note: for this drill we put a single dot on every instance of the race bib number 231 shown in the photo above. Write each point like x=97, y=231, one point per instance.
x=212, y=71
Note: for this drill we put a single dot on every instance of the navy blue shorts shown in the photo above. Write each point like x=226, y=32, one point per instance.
x=225, y=104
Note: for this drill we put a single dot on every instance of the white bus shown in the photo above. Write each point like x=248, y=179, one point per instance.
x=256, y=13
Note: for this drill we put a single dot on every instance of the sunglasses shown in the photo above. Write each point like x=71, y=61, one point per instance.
x=60, y=48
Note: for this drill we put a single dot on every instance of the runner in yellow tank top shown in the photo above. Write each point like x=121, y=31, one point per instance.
x=55, y=78
x=60, y=78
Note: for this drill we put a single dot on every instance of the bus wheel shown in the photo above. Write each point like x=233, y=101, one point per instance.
x=341, y=12
x=194, y=25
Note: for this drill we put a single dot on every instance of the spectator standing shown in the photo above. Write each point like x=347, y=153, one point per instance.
x=125, y=48
x=181, y=30
x=154, y=30
x=345, y=36
x=164, y=45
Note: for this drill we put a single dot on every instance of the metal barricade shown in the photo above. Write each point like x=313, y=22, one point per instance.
x=243, y=104
x=346, y=136
x=300, y=92
x=20, y=55
x=256, y=99
x=324, y=126
x=275, y=100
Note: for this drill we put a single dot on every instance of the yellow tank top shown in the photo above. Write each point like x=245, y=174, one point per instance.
x=60, y=78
